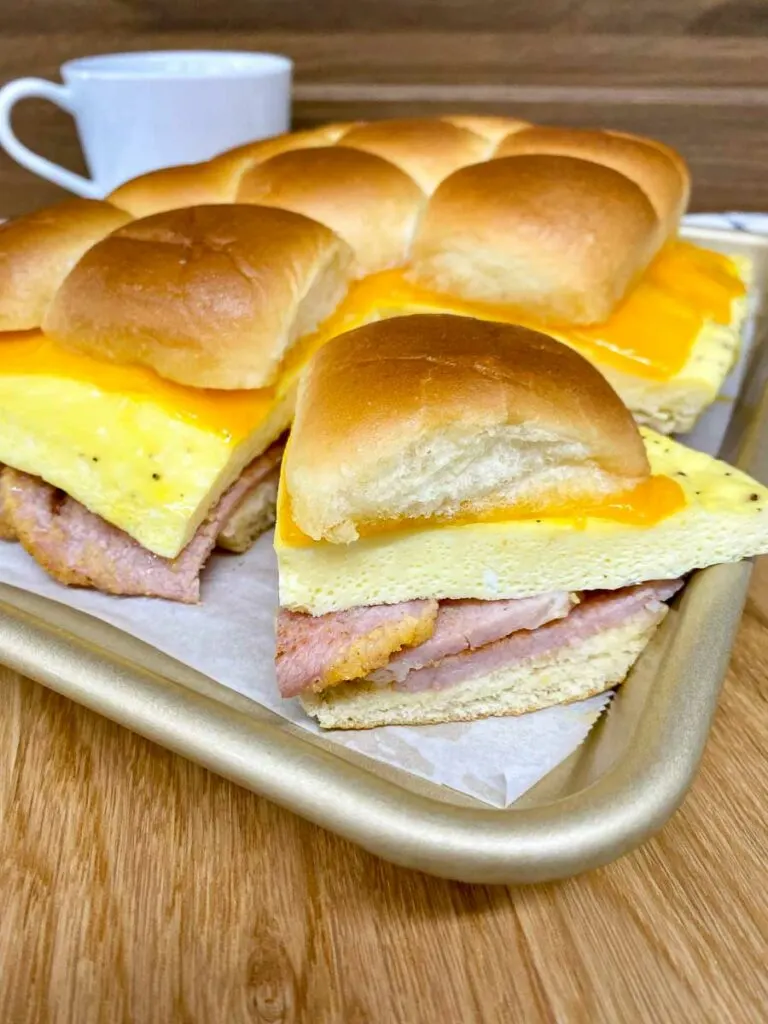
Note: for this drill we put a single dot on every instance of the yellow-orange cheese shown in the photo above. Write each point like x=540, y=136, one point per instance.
x=650, y=334
x=645, y=505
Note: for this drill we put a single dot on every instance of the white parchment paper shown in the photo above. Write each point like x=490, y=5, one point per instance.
x=230, y=637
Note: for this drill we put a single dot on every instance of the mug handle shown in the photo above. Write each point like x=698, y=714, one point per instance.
x=40, y=88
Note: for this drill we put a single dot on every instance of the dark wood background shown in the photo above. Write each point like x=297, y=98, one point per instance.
x=691, y=72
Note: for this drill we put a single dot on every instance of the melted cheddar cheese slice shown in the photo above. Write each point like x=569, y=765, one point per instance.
x=709, y=513
x=146, y=454
x=651, y=334
x=645, y=505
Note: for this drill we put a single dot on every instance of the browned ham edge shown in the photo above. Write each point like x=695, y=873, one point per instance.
x=81, y=549
x=7, y=531
x=316, y=652
x=467, y=639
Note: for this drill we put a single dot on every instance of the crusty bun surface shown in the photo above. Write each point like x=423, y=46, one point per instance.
x=173, y=188
x=212, y=181
x=560, y=238
x=647, y=166
x=428, y=416
x=38, y=251
x=368, y=201
x=210, y=296
x=670, y=153
x=425, y=148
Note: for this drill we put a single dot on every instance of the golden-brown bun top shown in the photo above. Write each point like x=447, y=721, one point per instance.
x=671, y=154
x=38, y=251
x=559, y=238
x=426, y=149
x=369, y=202
x=646, y=165
x=429, y=415
x=173, y=188
x=241, y=158
x=487, y=125
x=211, y=296
x=212, y=181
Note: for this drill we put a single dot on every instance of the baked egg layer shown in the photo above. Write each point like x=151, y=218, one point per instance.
x=723, y=517
x=147, y=455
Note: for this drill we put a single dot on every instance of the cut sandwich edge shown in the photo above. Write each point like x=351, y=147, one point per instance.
x=569, y=674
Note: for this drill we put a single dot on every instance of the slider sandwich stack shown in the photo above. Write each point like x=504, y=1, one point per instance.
x=148, y=366
x=567, y=231
x=470, y=523
x=143, y=424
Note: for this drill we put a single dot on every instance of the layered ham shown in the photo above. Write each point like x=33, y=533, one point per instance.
x=467, y=625
x=598, y=612
x=468, y=639
x=317, y=651
x=81, y=549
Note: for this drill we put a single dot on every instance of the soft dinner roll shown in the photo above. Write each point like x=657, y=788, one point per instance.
x=648, y=166
x=213, y=181
x=368, y=201
x=669, y=152
x=38, y=251
x=560, y=238
x=426, y=149
x=212, y=296
x=403, y=420
x=492, y=128
x=173, y=188
x=243, y=157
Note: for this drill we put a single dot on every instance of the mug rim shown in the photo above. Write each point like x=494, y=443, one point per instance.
x=149, y=64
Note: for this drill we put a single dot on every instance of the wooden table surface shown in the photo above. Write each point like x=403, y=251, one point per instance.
x=137, y=887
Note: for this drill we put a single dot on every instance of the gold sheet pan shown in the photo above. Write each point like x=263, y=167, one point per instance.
x=617, y=789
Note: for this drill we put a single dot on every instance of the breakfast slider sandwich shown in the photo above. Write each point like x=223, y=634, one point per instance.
x=470, y=523
x=569, y=231
x=572, y=232
x=143, y=425
x=575, y=233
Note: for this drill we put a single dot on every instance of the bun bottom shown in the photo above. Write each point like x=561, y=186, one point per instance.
x=569, y=674
x=253, y=516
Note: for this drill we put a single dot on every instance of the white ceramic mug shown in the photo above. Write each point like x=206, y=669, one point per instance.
x=136, y=112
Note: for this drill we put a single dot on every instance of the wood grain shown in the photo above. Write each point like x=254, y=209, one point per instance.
x=137, y=887
x=706, y=93
x=659, y=17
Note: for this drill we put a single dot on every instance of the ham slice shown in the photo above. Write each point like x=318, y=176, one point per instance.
x=81, y=549
x=466, y=625
x=7, y=531
x=598, y=611
x=318, y=651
